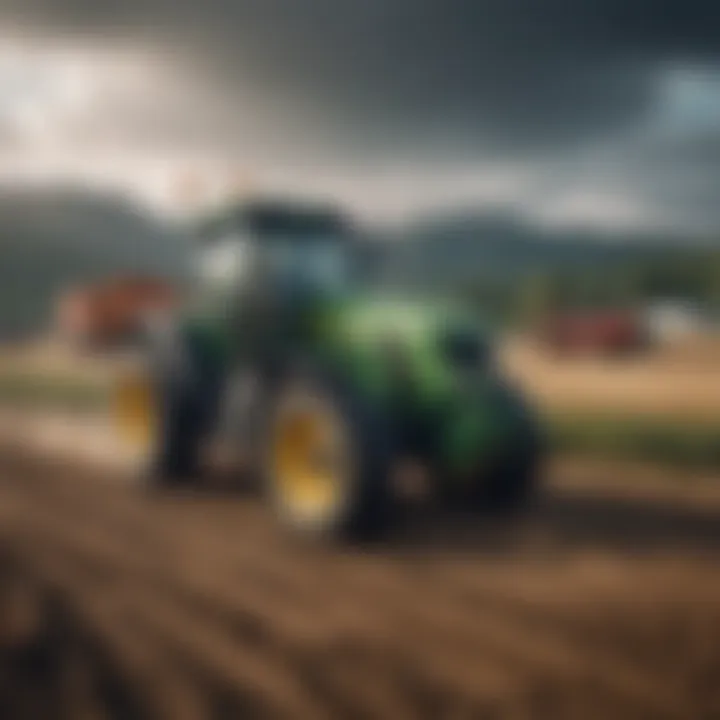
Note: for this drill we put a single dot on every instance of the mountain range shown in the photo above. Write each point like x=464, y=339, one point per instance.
x=465, y=247
x=56, y=237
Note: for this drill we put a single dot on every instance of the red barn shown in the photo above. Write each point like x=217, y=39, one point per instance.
x=594, y=332
x=110, y=313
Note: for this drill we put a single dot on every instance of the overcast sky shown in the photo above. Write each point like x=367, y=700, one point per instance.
x=581, y=112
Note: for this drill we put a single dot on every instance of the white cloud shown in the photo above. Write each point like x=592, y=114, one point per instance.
x=600, y=208
x=144, y=122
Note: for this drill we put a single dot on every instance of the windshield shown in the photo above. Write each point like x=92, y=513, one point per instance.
x=322, y=263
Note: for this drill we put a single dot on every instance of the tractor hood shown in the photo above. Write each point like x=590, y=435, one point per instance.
x=431, y=343
x=431, y=362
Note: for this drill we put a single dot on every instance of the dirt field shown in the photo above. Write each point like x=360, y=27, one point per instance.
x=119, y=604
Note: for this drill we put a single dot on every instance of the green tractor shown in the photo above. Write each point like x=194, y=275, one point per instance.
x=326, y=387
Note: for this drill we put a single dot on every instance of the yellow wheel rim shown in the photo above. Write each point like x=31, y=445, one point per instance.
x=135, y=413
x=310, y=463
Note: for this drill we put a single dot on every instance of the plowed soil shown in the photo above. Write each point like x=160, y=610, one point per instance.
x=119, y=603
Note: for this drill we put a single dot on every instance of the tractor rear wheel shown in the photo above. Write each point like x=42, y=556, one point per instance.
x=162, y=410
x=160, y=426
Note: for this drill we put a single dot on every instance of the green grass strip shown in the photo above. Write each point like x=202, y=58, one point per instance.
x=31, y=390
x=662, y=440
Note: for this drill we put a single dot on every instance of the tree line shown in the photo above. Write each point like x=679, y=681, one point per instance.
x=692, y=275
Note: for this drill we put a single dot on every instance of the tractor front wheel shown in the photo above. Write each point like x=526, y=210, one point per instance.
x=327, y=460
x=512, y=485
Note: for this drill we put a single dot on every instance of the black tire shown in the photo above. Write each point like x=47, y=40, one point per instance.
x=186, y=396
x=512, y=485
x=364, y=511
x=175, y=457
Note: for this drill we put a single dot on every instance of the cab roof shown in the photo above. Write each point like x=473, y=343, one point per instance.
x=277, y=217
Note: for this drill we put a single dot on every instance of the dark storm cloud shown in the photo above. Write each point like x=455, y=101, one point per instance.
x=581, y=108
x=450, y=76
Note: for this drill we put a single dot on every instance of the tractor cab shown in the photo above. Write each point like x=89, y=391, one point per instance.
x=276, y=247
